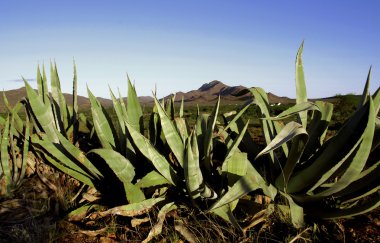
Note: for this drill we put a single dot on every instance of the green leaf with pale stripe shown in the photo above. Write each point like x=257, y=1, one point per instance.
x=66, y=164
x=65, y=169
x=192, y=171
x=183, y=127
x=170, y=110
x=247, y=144
x=233, y=121
x=13, y=148
x=74, y=116
x=225, y=213
x=101, y=124
x=17, y=121
x=42, y=85
x=181, y=108
x=363, y=181
x=6, y=170
x=2, y=122
x=330, y=153
x=119, y=112
x=154, y=128
x=42, y=112
x=121, y=125
x=250, y=182
x=201, y=129
x=152, y=179
x=234, y=147
x=296, y=109
x=290, y=130
x=301, y=85
x=133, y=192
x=295, y=132
x=120, y=165
x=299, y=139
x=358, y=161
x=365, y=95
x=76, y=153
x=235, y=163
x=59, y=102
x=261, y=100
x=6, y=102
x=209, y=135
x=358, y=209
x=235, y=167
x=296, y=212
x=39, y=83
x=171, y=134
x=318, y=128
x=45, y=85
x=150, y=152
x=25, y=148
x=134, y=111
x=356, y=196
x=75, y=95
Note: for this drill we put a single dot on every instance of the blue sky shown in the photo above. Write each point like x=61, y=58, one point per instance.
x=179, y=45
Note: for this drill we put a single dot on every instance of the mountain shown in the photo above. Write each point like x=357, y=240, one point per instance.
x=207, y=93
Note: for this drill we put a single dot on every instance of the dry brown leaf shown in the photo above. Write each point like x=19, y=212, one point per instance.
x=137, y=222
x=94, y=233
x=157, y=228
x=121, y=212
x=256, y=219
x=182, y=229
x=89, y=197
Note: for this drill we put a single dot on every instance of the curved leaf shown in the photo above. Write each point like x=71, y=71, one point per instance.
x=330, y=153
x=250, y=182
x=152, y=179
x=149, y=151
x=358, y=162
x=296, y=109
x=120, y=165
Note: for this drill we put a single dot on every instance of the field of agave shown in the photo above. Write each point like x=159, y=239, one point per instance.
x=117, y=168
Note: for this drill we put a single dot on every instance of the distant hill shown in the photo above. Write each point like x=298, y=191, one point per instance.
x=209, y=92
x=206, y=94
x=16, y=95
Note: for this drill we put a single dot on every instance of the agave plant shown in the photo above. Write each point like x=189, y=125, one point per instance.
x=199, y=164
x=60, y=129
x=320, y=178
x=14, y=148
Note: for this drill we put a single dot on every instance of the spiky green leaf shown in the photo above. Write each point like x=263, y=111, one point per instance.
x=301, y=85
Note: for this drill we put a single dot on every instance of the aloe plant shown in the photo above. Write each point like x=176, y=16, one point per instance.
x=325, y=179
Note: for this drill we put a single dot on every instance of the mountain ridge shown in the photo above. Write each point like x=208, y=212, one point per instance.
x=205, y=94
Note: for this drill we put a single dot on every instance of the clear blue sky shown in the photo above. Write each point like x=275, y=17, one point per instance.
x=179, y=45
